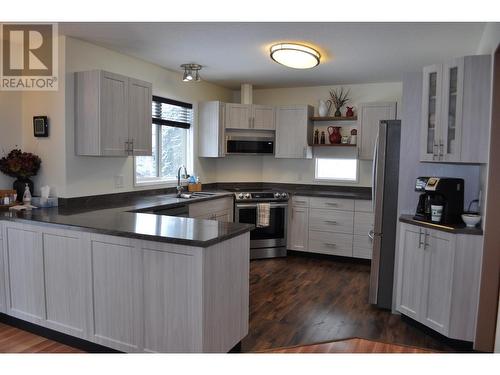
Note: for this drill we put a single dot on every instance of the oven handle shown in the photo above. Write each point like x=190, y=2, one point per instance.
x=254, y=205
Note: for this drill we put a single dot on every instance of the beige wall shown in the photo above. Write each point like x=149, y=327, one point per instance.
x=269, y=169
x=10, y=128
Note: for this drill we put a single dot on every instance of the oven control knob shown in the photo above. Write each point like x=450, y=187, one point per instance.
x=284, y=195
x=247, y=196
x=240, y=196
x=277, y=195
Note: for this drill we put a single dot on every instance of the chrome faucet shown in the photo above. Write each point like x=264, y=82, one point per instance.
x=180, y=188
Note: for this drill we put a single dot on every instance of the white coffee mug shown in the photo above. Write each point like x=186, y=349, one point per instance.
x=436, y=213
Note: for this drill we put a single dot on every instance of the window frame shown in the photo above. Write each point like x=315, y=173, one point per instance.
x=159, y=123
x=338, y=180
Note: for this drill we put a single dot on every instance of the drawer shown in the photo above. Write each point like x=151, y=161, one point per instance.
x=332, y=203
x=363, y=222
x=362, y=247
x=331, y=220
x=300, y=201
x=363, y=205
x=210, y=206
x=330, y=243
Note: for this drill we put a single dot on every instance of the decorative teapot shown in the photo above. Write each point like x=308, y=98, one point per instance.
x=334, y=134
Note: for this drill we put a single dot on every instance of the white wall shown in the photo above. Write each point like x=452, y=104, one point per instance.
x=10, y=128
x=90, y=175
x=269, y=169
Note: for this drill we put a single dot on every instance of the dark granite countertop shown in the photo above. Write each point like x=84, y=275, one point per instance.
x=120, y=221
x=450, y=228
x=334, y=194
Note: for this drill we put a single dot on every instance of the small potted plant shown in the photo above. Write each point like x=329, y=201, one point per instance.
x=22, y=166
x=338, y=99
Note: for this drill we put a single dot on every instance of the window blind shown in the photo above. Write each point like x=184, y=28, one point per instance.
x=171, y=112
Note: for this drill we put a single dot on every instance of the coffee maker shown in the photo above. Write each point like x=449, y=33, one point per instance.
x=445, y=191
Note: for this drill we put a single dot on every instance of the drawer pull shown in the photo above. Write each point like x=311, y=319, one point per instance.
x=331, y=204
x=333, y=222
x=330, y=244
x=296, y=201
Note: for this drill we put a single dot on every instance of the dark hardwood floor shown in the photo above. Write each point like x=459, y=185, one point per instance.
x=297, y=301
x=301, y=300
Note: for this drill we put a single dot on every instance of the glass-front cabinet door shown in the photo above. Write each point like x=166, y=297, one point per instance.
x=431, y=113
x=449, y=146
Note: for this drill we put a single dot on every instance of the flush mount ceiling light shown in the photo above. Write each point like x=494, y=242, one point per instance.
x=294, y=55
x=191, y=72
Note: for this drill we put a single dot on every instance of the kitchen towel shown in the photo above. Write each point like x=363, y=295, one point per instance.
x=263, y=213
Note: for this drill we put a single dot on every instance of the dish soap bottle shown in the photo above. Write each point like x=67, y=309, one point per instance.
x=27, y=195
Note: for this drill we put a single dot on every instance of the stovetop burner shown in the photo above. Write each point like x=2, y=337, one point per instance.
x=260, y=195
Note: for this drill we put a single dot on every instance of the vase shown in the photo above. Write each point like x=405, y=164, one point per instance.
x=334, y=134
x=20, y=184
x=337, y=113
x=322, y=109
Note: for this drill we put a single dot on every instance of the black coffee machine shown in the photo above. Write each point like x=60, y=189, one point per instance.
x=445, y=191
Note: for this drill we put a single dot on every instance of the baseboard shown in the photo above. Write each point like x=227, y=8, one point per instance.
x=50, y=334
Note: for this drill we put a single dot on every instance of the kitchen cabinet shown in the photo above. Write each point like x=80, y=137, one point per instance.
x=211, y=129
x=369, y=117
x=298, y=228
x=67, y=270
x=438, y=279
x=249, y=116
x=294, y=131
x=112, y=115
x=455, y=110
x=25, y=290
x=128, y=294
x=333, y=226
x=220, y=209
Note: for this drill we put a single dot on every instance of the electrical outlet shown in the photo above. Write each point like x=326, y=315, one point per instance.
x=118, y=181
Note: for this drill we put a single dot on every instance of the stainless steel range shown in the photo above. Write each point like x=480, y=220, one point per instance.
x=268, y=241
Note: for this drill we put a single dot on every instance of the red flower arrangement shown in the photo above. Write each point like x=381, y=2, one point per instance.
x=20, y=164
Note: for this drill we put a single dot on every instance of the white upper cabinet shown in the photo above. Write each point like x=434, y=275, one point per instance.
x=369, y=116
x=249, y=116
x=263, y=117
x=112, y=115
x=211, y=129
x=294, y=132
x=455, y=110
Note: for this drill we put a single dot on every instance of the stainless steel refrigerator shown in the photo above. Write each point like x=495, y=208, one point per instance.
x=385, y=178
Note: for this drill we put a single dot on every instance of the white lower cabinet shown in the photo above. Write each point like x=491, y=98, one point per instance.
x=25, y=289
x=67, y=271
x=437, y=273
x=116, y=282
x=333, y=226
x=298, y=224
x=127, y=294
x=214, y=209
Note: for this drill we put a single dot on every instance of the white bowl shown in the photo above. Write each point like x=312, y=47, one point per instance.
x=471, y=220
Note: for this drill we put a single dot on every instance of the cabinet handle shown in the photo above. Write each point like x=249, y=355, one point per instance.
x=420, y=243
x=434, y=151
x=300, y=201
x=441, y=150
x=330, y=244
x=131, y=146
x=331, y=204
x=333, y=222
x=426, y=244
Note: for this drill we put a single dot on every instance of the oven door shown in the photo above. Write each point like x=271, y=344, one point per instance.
x=272, y=236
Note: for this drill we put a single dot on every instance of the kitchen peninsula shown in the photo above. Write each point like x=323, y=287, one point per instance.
x=131, y=281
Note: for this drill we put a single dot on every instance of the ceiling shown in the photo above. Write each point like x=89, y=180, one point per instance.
x=232, y=53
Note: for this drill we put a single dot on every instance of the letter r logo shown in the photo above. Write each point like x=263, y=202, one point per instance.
x=27, y=50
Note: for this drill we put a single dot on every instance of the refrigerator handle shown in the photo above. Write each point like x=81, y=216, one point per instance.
x=374, y=171
x=371, y=234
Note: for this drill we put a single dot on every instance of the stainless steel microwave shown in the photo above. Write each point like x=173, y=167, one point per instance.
x=249, y=145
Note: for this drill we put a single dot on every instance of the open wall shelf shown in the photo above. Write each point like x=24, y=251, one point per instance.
x=330, y=118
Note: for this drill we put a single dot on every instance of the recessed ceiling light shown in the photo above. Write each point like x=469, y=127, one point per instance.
x=294, y=55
